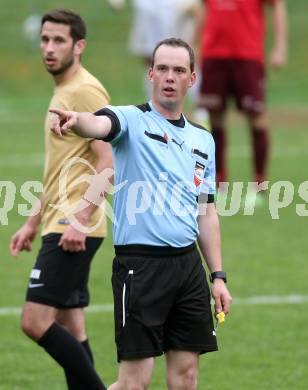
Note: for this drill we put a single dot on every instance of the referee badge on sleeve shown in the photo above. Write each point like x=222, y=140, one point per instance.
x=199, y=173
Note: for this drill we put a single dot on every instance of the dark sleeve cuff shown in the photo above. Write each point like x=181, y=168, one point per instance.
x=115, y=123
x=206, y=198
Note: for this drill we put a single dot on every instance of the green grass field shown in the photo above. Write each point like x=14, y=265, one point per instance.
x=263, y=345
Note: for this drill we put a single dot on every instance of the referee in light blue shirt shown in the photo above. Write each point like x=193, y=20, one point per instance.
x=173, y=162
x=165, y=166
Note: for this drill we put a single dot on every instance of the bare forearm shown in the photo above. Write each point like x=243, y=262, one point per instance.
x=35, y=219
x=101, y=182
x=210, y=242
x=84, y=124
x=199, y=23
x=90, y=126
x=93, y=197
x=280, y=25
x=87, y=209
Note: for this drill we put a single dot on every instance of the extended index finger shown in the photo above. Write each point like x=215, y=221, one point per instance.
x=58, y=111
x=56, y=115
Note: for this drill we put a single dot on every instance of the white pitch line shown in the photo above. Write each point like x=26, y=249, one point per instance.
x=107, y=308
x=255, y=300
x=7, y=311
x=272, y=300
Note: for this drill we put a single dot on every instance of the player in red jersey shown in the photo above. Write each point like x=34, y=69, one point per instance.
x=232, y=55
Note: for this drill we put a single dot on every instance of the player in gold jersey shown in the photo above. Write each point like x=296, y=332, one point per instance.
x=53, y=314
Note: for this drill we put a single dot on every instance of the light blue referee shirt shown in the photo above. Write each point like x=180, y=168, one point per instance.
x=161, y=166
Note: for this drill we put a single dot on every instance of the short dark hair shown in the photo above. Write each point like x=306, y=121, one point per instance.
x=78, y=28
x=176, y=42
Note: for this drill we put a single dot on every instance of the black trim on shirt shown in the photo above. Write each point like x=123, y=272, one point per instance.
x=205, y=198
x=157, y=137
x=144, y=107
x=200, y=154
x=178, y=122
x=198, y=126
x=175, y=122
x=115, y=123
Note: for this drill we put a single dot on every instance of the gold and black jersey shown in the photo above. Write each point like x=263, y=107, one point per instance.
x=69, y=160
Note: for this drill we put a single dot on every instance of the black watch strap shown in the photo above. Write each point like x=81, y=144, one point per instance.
x=218, y=275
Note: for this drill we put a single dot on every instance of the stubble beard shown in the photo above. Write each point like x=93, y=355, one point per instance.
x=62, y=68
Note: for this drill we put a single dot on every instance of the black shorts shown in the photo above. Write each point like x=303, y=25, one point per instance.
x=59, y=278
x=161, y=302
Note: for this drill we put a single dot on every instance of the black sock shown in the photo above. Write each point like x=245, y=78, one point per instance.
x=71, y=380
x=260, y=142
x=70, y=354
x=220, y=139
x=86, y=346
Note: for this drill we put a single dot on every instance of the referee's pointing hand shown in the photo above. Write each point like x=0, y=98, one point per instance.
x=61, y=121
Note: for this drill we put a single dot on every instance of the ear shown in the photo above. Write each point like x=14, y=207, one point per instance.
x=150, y=74
x=193, y=78
x=79, y=47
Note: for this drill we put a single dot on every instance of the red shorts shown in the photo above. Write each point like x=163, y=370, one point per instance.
x=242, y=79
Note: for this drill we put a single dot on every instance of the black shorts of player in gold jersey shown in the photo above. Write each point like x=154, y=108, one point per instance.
x=60, y=278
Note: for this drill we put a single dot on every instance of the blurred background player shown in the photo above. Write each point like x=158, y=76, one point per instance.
x=155, y=21
x=232, y=58
x=53, y=314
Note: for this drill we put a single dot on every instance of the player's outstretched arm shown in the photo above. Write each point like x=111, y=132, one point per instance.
x=84, y=124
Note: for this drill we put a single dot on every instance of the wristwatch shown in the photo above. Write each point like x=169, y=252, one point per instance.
x=218, y=275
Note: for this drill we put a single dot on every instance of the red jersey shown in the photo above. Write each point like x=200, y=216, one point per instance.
x=234, y=29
